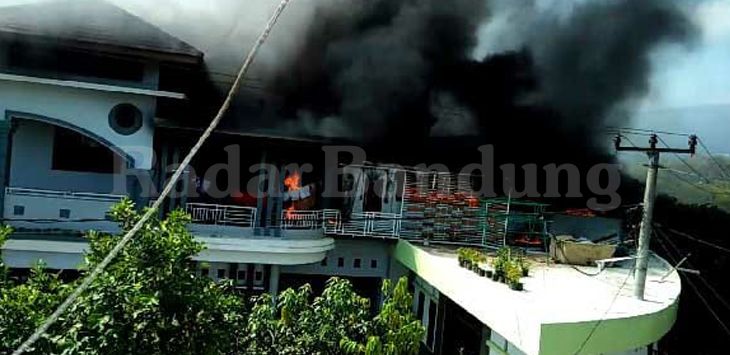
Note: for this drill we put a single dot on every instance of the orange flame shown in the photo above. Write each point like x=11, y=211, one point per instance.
x=292, y=182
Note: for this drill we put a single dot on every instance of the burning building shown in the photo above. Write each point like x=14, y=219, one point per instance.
x=402, y=79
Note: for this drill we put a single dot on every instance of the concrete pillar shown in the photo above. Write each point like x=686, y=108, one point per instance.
x=274, y=281
x=483, y=347
x=6, y=133
x=642, y=253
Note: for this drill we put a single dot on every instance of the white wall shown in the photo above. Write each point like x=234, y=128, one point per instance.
x=84, y=108
x=31, y=162
x=349, y=250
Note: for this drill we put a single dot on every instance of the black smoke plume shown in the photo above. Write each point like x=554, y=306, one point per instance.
x=400, y=76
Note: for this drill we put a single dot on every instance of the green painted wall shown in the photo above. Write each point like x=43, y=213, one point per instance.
x=611, y=335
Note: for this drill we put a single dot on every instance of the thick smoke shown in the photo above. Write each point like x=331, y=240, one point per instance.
x=432, y=78
x=396, y=74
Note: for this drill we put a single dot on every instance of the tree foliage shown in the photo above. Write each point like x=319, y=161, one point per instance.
x=150, y=301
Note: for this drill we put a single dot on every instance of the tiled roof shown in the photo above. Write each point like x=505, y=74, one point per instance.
x=90, y=22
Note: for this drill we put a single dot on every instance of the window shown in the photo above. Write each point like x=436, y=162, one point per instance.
x=340, y=262
x=125, y=119
x=204, y=272
x=67, y=63
x=18, y=210
x=420, y=305
x=241, y=275
x=431, y=324
x=259, y=275
x=324, y=262
x=73, y=151
x=64, y=213
x=221, y=273
x=373, y=264
x=356, y=263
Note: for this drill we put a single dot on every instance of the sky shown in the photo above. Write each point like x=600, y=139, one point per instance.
x=689, y=86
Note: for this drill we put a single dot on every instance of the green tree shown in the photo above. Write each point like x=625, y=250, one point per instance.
x=149, y=300
x=394, y=331
x=299, y=324
x=24, y=306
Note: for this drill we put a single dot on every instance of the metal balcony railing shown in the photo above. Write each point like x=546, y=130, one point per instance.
x=205, y=213
x=92, y=196
x=328, y=219
x=300, y=219
x=375, y=224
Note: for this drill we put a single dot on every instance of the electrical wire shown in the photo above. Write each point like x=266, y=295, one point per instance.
x=724, y=172
x=641, y=131
x=43, y=328
x=605, y=314
x=682, y=179
x=689, y=263
x=684, y=161
x=692, y=284
x=698, y=240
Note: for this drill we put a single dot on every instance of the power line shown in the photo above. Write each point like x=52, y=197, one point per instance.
x=698, y=240
x=684, y=161
x=641, y=131
x=166, y=191
x=692, y=284
x=682, y=179
x=704, y=281
x=605, y=314
x=724, y=172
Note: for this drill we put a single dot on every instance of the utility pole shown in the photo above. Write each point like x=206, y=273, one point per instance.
x=642, y=253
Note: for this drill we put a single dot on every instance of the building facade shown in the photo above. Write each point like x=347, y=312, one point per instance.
x=92, y=115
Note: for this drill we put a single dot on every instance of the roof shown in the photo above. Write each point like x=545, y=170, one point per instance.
x=560, y=307
x=92, y=22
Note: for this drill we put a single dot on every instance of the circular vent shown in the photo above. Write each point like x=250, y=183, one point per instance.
x=125, y=119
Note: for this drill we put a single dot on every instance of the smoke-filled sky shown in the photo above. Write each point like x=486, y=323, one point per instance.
x=686, y=70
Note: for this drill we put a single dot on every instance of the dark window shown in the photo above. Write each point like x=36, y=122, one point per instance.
x=18, y=210
x=73, y=151
x=356, y=263
x=64, y=213
x=373, y=264
x=340, y=262
x=64, y=63
x=324, y=262
x=431, y=324
x=204, y=272
x=419, y=310
x=241, y=274
x=259, y=275
x=221, y=273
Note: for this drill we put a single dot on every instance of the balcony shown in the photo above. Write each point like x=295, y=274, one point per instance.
x=63, y=210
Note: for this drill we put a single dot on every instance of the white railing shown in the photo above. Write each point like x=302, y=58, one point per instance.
x=205, y=213
x=376, y=224
x=301, y=219
x=93, y=196
x=327, y=219
x=331, y=221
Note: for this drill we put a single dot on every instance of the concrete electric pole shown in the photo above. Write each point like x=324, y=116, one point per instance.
x=642, y=254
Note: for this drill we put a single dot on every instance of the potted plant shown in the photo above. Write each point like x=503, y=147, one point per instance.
x=513, y=273
x=462, y=256
x=525, y=267
x=477, y=258
x=500, y=262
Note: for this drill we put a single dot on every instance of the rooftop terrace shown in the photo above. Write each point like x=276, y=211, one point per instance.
x=560, y=308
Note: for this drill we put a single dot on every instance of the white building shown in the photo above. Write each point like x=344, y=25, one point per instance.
x=94, y=109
